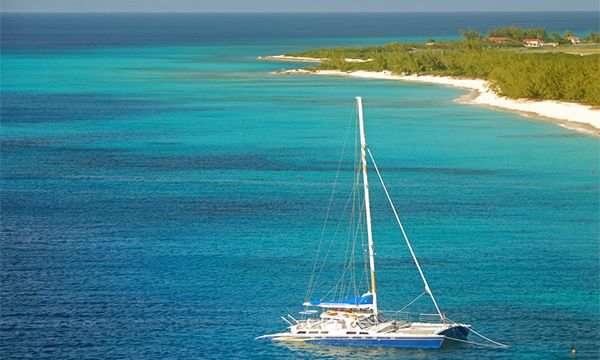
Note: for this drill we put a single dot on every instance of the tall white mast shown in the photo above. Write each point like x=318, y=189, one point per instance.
x=363, y=160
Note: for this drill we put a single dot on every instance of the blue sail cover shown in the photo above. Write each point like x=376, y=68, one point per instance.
x=356, y=301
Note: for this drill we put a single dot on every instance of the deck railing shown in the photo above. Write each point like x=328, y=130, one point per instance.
x=430, y=318
x=411, y=317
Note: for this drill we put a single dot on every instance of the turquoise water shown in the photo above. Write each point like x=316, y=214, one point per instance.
x=166, y=201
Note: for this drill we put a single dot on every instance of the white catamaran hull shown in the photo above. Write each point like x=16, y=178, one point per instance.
x=420, y=342
x=397, y=340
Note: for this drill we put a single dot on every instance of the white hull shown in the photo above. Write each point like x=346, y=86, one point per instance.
x=386, y=334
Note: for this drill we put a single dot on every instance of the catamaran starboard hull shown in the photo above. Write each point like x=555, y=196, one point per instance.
x=456, y=332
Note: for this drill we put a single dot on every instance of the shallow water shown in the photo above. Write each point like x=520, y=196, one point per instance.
x=164, y=197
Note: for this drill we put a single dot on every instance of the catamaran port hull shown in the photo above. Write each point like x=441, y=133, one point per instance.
x=396, y=343
x=429, y=342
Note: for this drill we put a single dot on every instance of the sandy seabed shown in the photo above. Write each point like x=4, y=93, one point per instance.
x=569, y=115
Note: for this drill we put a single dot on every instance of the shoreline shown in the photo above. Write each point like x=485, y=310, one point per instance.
x=306, y=59
x=290, y=58
x=577, y=117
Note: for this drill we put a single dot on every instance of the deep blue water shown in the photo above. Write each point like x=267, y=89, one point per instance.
x=52, y=31
x=162, y=195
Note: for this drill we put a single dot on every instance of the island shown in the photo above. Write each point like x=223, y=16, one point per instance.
x=550, y=76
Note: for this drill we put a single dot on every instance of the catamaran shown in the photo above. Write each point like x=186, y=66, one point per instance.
x=358, y=320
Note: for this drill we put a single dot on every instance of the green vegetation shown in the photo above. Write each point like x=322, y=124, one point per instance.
x=512, y=70
x=470, y=34
x=592, y=37
x=517, y=33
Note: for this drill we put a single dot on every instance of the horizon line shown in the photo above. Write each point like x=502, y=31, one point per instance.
x=297, y=12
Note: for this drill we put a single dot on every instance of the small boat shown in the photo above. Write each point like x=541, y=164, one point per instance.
x=358, y=320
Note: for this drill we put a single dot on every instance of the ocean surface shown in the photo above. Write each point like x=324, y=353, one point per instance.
x=162, y=195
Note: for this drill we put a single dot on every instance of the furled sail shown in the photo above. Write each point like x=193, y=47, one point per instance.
x=361, y=302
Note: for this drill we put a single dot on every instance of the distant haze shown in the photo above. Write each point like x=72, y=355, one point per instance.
x=296, y=6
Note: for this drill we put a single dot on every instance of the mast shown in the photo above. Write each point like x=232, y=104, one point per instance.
x=363, y=160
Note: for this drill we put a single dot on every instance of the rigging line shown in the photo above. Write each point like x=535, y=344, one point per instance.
x=353, y=269
x=360, y=233
x=364, y=250
x=499, y=344
x=339, y=287
x=488, y=339
x=345, y=268
x=349, y=255
x=341, y=280
x=350, y=246
x=427, y=289
x=409, y=304
x=314, y=283
x=361, y=215
x=476, y=343
x=332, y=241
x=412, y=302
x=352, y=236
x=348, y=264
x=356, y=188
x=308, y=290
x=339, y=284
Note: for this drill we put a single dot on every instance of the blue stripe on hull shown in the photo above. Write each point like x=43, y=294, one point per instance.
x=397, y=343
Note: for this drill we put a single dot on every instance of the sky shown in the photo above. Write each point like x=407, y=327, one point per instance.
x=293, y=6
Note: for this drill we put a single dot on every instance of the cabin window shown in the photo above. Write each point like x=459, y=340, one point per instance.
x=313, y=332
x=301, y=332
x=324, y=332
x=364, y=333
x=350, y=332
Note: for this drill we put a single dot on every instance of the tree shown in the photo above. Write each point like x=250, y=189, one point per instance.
x=556, y=38
x=470, y=34
x=517, y=33
x=567, y=33
x=592, y=37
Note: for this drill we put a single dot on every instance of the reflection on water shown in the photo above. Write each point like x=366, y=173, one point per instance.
x=303, y=349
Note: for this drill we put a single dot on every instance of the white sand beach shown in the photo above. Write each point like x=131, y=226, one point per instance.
x=569, y=115
x=307, y=59
x=291, y=58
